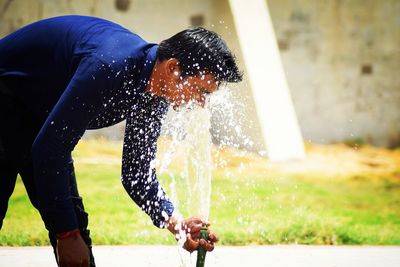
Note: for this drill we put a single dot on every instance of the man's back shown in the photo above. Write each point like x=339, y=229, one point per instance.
x=38, y=61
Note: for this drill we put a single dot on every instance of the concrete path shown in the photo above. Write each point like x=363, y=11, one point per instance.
x=249, y=256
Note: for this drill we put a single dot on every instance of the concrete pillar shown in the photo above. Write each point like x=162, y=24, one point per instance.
x=275, y=111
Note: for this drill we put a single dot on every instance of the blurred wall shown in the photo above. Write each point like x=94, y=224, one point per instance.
x=340, y=57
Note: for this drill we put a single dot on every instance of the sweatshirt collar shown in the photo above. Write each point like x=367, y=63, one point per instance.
x=148, y=66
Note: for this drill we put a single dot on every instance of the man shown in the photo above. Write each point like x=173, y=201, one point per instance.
x=61, y=76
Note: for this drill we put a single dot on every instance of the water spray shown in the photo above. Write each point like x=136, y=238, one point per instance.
x=191, y=130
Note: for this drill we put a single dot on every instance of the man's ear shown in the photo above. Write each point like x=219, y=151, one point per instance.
x=172, y=69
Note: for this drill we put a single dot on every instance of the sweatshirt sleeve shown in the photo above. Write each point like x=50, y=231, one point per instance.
x=138, y=164
x=51, y=150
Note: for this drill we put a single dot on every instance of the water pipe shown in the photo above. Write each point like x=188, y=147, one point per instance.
x=201, y=252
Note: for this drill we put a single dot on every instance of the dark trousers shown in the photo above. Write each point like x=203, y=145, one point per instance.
x=18, y=130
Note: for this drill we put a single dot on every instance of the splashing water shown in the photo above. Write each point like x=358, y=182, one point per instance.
x=198, y=161
x=191, y=141
x=190, y=133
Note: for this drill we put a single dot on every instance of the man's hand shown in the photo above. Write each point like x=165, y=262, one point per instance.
x=72, y=252
x=190, y=228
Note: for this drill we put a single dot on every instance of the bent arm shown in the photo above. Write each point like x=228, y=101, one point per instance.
x=138, y=164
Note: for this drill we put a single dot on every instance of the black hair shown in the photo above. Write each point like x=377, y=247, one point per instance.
x=200, y=50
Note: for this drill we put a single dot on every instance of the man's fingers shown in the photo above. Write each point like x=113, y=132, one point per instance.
x=196, y=220
x=190, y=245
x=212, y=237
x=192, y=227
x=195, y=228
x=206, y=245
x=195, y=235
x=194, y=224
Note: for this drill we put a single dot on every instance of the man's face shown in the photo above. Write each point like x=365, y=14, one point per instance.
x=191, y=89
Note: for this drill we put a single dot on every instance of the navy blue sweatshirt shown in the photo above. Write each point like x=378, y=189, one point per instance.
x=74, y=73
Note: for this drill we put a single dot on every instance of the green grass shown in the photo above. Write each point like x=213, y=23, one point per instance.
x=259, y=203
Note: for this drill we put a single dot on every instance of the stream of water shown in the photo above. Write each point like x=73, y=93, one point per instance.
x=191, y=143
x=190, y=133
